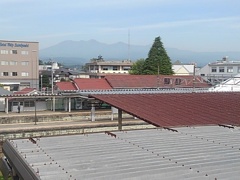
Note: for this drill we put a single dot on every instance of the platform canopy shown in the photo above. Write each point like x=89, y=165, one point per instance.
x=207, y=152
x=179, y=109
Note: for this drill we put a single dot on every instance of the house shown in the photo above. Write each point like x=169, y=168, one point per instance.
x=183, y=69
x=98, y=67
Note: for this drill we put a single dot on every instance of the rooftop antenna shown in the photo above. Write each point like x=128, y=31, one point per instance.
x=128, y=44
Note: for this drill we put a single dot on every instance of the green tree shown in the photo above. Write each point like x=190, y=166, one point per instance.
x=63, y=80
x=45, y=80
x=158, y=60
x=41, y=62
x=137, y=67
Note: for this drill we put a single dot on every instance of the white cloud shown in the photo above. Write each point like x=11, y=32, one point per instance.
x=186, y=22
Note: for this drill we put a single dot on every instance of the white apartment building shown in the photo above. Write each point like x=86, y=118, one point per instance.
x=220, y=70
x=98, y=68
x=19, y=64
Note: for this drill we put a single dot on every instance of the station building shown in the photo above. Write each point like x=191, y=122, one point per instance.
x=19, y=65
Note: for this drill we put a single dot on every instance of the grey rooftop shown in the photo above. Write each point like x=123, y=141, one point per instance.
x=206, y=152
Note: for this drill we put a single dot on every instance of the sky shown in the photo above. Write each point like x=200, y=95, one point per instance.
x=195, y=25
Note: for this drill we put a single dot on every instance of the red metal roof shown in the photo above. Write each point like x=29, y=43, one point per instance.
x=25, y=91
x=179, y=109
x=66, y=86
x=91, y=84
x=154, y=81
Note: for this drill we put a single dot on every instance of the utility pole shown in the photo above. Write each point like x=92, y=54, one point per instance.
x=41, y=82
x=52, y=75
x=35, y=117
x=158, y=80
x=194, y=78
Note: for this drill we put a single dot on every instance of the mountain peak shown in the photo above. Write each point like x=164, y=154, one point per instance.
x=86, y=50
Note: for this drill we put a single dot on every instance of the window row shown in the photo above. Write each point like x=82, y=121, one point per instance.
x=224, y=69
x=116, y=68
x=111, y=68
x=14, y=63
x=14, y=74
x=25, y=104
x=3, y=51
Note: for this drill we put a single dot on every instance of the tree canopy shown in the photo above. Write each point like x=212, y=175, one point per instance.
x=157, y=62
x=137, y=67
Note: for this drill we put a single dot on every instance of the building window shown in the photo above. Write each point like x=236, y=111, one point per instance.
x=214, y=69
x=14, y=73
x=15, y=103
x=166, y=80
x=229, y=69
x=4, y=63
x=24, y=73
x=29, y=104
x=24, y=52
x=221, y=69
x=178, y=81
x=4, y=51
x=13, y=63
x=202, y=74
x=105, y=68
x=126, y=68
x=115, y=68
x=24, y=63
x=13, y=52
x=5, y=73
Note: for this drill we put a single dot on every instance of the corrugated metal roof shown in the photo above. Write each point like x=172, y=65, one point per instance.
x=91, y=84
x=209, y=152
x=66, y=86
x=154, y=81
x=179, y=109
x=26, y=91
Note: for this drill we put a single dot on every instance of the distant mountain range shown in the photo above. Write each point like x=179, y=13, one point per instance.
x=80, y=52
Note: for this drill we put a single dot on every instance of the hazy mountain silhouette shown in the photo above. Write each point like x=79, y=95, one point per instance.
x=80, y=52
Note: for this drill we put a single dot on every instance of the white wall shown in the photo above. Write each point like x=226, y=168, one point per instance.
x=2, y=104
x=41, y=106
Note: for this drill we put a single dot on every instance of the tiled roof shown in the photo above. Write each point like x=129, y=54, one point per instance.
x=4, y=91
x=179, y=109
x=65, y=86
x=25, y=91
x=91, y=84
x=154, y=81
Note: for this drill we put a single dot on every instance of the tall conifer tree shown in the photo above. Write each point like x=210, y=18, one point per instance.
x=158, y=61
